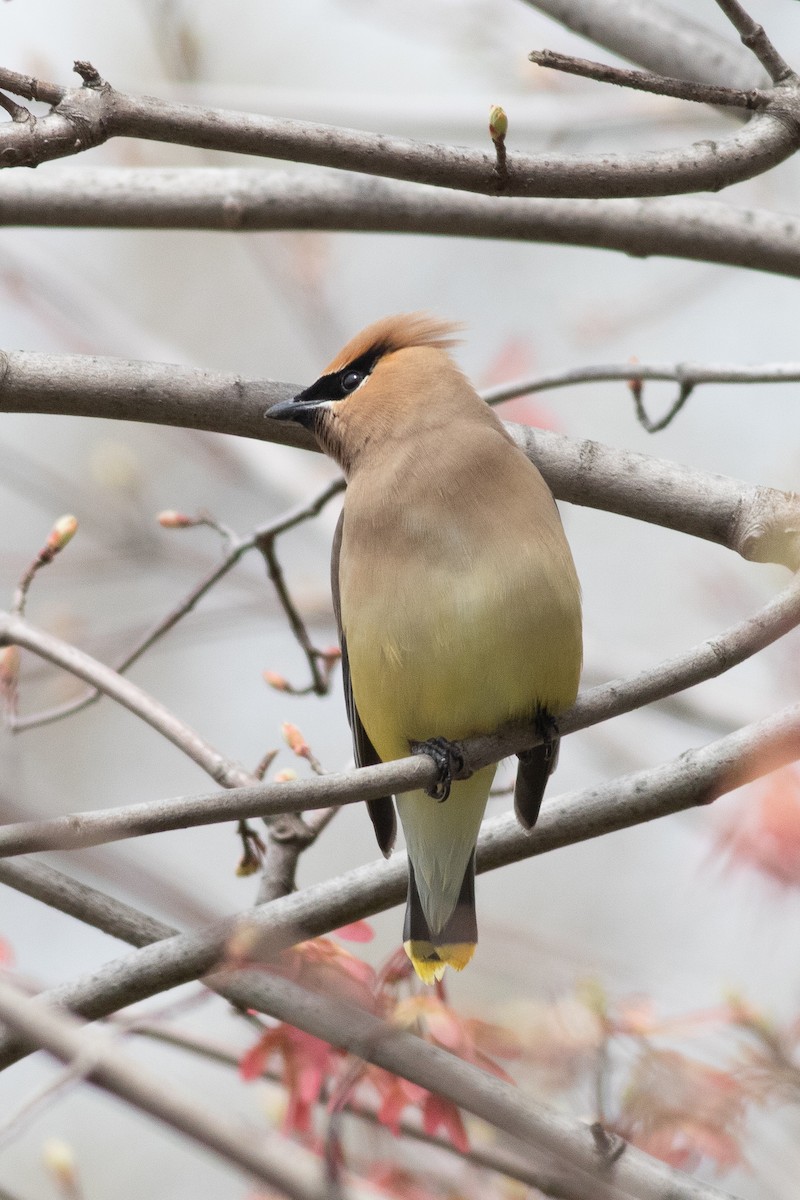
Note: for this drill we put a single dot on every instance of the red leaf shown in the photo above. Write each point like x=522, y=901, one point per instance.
x=438, y=1113
x=356, y=931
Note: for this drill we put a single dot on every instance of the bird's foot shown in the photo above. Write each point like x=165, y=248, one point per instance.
x=546, y=727
x=449, y=763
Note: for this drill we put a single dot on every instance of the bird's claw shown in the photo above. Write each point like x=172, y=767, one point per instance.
x=449, y=762
x=546, y=726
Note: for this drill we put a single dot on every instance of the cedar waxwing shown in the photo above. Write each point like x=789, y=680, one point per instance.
x=455, y=595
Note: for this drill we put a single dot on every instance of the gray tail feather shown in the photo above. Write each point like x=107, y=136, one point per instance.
x=461, y=926
x=535, y=768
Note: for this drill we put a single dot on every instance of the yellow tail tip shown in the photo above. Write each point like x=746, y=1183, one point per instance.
x=430, y=961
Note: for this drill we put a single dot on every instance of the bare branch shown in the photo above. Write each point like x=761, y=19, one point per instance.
x=649, y=81
x=754, y=37
x=14, y=630
x=32, y=89
x=516, y=1164
x=645, y=420
x=685, y=374
x=704, y=661
x=89, y=116
x=319, y=675
x=296, y=1174
x=655, y=36
x=239, y=547
x=697, y=777
x=85, y=903
x=268, y=800
x=759, y=523
x=15, y=111
x=232, y=200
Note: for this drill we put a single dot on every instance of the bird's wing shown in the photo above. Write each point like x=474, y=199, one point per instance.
x=381, y=811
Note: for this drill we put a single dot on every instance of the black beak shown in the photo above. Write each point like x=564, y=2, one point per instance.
x=303, y=411
x=284, y=410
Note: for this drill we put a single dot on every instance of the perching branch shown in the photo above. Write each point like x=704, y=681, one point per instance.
x=697, y=777
x=90, y=115
x=761, y=524
x=604, y=702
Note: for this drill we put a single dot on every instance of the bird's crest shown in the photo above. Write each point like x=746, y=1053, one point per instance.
x=396, y=333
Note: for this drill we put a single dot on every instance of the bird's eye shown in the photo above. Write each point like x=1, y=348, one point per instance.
x=351, y=380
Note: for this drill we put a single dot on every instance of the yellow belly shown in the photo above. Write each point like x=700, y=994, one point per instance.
x=462, y=657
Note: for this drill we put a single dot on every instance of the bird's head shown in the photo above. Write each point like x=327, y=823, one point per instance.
x=384, y=378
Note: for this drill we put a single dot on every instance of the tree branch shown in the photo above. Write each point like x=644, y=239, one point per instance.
x=86, y=904
x=563, y=1145
x=514, y=1164
x=756, y=40
x=649, y=81
x=298, y=1174
x=655, y=36
x=705, y=661
x=15, y=630
x=689, y=374
x=760, y=524
x=236, y=200
x=696, y=778
x=234, y=552
x=88, y=116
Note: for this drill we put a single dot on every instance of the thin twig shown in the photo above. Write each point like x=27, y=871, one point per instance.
x=237, y=547
x=637, y=391
x=319, y=682
x=649, y=81
x=682, y=373
x=30, y=1108
x=15, y=111
x=755, y=39
x=16, y=631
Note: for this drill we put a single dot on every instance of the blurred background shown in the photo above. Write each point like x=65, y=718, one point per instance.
x=664, y=911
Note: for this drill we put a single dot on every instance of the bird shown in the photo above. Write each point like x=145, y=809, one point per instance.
x=456, y=598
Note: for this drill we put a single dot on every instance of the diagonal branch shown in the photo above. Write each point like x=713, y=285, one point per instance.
x=296, y=1173
x=16, y=631
x=756, y=40
x=86, y=904
x=704, y=661
x=657, y=37
x=697, y=777
x=232, y=556
x=649, y=81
